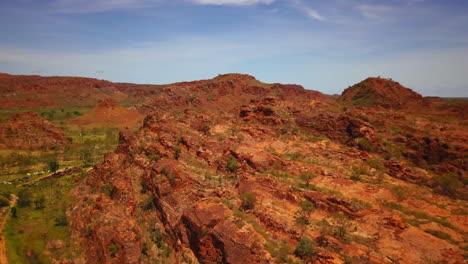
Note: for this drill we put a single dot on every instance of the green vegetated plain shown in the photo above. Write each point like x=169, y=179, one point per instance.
x=37, y=227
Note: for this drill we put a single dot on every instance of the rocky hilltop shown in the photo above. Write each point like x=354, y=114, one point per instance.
x=232, y=170
x=383, y=92
x=28, y=130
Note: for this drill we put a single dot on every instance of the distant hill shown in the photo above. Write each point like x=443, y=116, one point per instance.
x=31, y=91
x=109, y=113
x=380, y=91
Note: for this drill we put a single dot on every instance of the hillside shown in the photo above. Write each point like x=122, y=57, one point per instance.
x=232, y=170
x=28, y=130
x=380, y=91
x=108, y=113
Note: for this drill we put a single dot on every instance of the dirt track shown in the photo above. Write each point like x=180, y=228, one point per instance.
x=3, y=252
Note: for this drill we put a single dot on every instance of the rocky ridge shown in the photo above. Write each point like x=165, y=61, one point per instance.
x=226, y=171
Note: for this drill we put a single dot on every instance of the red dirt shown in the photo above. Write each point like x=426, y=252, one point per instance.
x=108, y=113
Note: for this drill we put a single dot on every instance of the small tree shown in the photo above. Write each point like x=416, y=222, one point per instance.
x=61, y=219
x=248, y=200
x=40, y=202
x=302, y=216
x=24, y=198
x=307, y=207
x=305, y=249
x=87, y=158
x=306, y=177
x=53, y=165
x=14, y=212
x=342, y=226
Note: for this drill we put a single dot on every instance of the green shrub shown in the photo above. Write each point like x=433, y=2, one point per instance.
x=364, y=144
x=4, y=201
x=232, y=165
x=449, y=183
x=348, y=259
x=305, y=249
x=24, y=198
x=248, y=200
x=61, y=219
x=164, y=169
x=399, y=192
x=376, y=164
x=148, y=204
x=296, y=156
x=306, y=177
x=177, y=151
x=14, y=212
x=53, y=165
x=107, y=189
x=439, y=234
x=39, y=203
x=307, y=207
x=355, y=177
x=205, y=128
x=114, y=249
x=154, y=157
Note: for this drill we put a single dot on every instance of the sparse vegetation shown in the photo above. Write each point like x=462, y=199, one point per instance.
x=305, y=249
x=440, y=234
x=306, y=177
x=448, y=184
x=53, y=165
x=4, y=201
x=248, y=200
x=232, y=165
x=268, y=173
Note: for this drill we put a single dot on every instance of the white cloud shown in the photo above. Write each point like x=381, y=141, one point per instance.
x=93, y=6
x=375, y=12
x=310, y=12
x=232, y=2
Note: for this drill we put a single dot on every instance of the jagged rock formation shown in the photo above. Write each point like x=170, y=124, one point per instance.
x=227, y=171
x=28, y=130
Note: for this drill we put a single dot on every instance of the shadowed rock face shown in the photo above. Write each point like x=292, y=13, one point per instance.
x=27, y=130
x=224, y=171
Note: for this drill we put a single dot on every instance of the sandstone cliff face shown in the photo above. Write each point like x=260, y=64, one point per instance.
x=27, y=130
x=230, y=175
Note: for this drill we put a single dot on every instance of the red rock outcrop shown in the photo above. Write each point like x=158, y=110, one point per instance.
x=232, y=170
x=28, y=130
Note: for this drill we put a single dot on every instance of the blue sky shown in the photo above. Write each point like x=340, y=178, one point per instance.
x=324, y=45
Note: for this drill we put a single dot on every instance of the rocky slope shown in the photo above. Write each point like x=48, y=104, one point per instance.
x=383, y=92
x=232, y=170
x=27, y=130
x=109, y=113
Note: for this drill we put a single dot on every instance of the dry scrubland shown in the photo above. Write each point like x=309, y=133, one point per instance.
x=232, y=170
